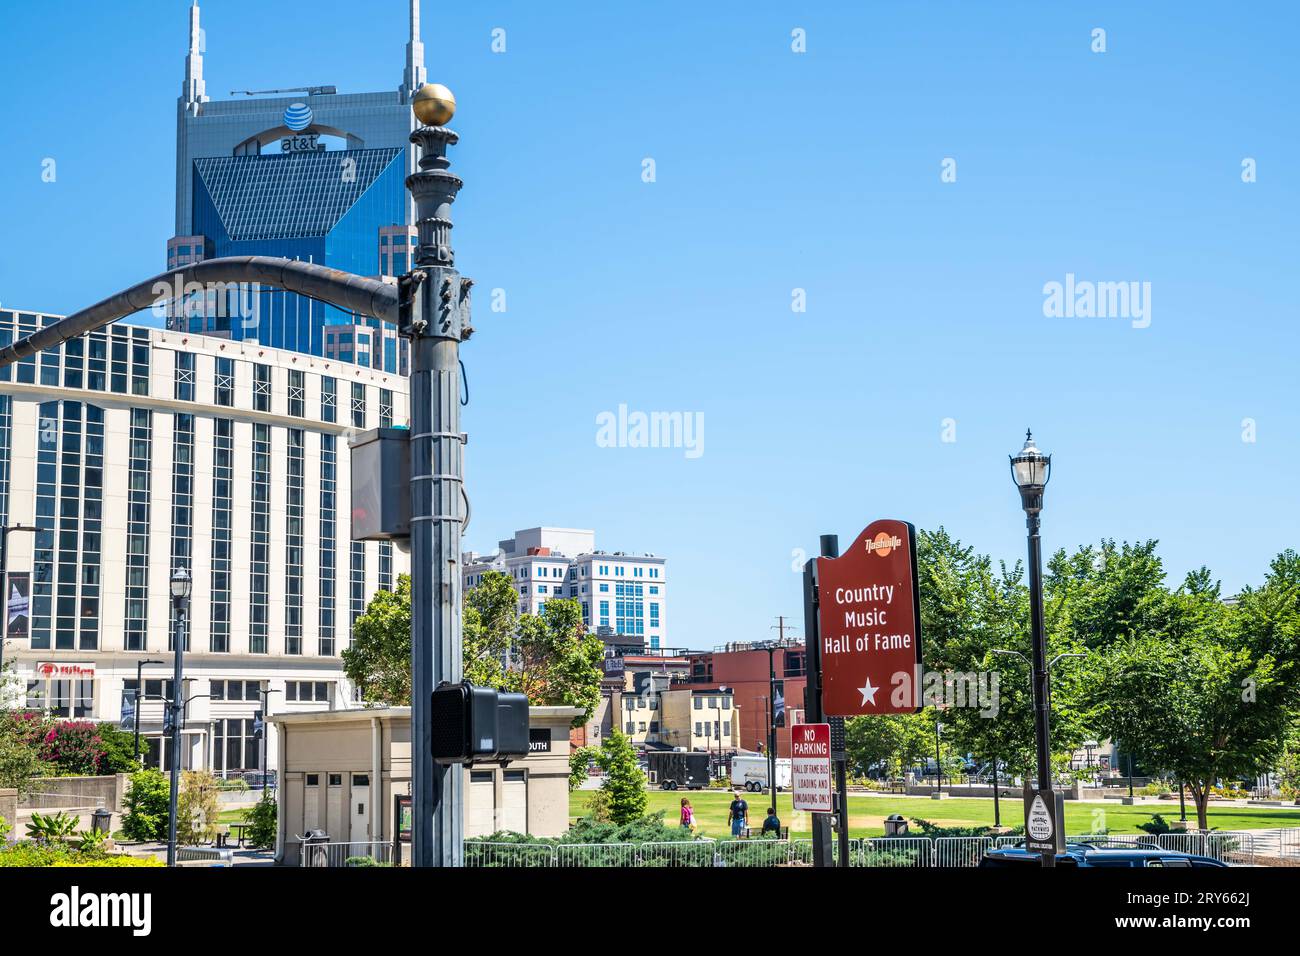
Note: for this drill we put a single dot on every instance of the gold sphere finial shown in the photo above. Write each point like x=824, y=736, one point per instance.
x=434, y=104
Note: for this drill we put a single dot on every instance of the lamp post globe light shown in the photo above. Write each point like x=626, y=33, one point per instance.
x=180, y=588
x=1031, y=470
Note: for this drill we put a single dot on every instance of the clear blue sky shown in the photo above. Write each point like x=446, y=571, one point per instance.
x=777, y=171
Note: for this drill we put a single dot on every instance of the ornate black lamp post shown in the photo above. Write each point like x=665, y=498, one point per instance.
x=1031, y=470
x=180, y=587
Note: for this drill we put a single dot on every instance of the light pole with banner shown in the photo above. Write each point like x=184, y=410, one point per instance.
x=1031, y=470
x=180, y=588
x=4, y=583
x=139, y=695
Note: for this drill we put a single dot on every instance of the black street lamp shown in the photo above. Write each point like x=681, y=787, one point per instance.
x=266, y=704
x=1031, y=470
x=938, y=764
x=180, y=587
x=139, y=693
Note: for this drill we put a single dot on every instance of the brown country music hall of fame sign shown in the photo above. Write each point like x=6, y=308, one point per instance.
x=869, y=624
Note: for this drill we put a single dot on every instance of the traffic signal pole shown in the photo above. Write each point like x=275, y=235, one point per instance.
x=435, y=316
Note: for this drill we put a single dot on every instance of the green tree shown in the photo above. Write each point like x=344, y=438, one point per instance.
x=147, y=804
x=262, y=823
x=559, y=662
x=624, y=787
x=549, y=657
x=117, y=757
x=379, y=660
x=1212, y=694
x=888, y=742
x=579, y=758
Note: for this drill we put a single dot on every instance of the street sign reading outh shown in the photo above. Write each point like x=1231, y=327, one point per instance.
x=810, y=768
x=869, y=624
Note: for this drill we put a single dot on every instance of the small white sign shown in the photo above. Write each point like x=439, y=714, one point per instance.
x=1039, y=821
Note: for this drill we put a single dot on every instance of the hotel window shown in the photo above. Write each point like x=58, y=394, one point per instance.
x=699, y=703
x=297, y=394
x=235, y=746
x=385, y=565
x=328, y=561
x=185, y=376
x=67, y=698
x=358, y=405
x=136, y=621
x=260, y=541
x=385, y=408
x=329, y=390
x=182, y=506
x=223, y=453
x=631, y=727
x=654, y=614
x=97, y=361
x=307, y=691
x=358, y=581
x=293, y=557
x=261, y=387
x=140, y=361
x=225, y=389
x=698, y=731
x=63, y=557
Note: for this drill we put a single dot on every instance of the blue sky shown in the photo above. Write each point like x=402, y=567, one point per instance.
x=778, y=171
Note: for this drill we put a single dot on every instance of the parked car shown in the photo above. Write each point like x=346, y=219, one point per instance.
x=1100, y=854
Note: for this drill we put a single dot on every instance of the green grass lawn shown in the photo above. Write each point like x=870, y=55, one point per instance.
x=866, y=814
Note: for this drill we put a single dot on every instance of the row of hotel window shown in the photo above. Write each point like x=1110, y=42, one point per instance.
x=76, y=698
x=110, y=360
x=652, y=703
x=703, y=728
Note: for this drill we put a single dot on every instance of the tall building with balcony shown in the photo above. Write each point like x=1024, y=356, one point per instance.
x=315, y=175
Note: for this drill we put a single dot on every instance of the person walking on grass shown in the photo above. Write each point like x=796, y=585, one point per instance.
x=738, y=814
x=688, y=816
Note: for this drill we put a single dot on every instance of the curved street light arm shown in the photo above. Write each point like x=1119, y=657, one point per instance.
x=353, y=293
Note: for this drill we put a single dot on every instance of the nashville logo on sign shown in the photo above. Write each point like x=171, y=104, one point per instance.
x=883, y=543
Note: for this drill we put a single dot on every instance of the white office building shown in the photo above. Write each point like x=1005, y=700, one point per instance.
x=623, y=595
x=134, y=451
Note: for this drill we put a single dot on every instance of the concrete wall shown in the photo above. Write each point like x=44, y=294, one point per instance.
x=9, y=809
x=55, y=792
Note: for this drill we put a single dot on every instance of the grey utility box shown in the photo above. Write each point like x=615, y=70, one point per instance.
x=381, y=485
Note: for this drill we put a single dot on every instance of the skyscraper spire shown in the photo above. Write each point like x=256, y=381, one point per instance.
x=194, y=90
x=415, y=76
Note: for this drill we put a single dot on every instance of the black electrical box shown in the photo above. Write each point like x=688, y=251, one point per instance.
x=478, y=724
x=512, y=726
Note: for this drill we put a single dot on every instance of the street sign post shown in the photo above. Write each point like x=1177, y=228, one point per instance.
x=810, y=768
x=1044, y=821
x=869, y=624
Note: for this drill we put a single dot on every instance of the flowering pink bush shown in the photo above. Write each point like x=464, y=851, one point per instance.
x=74, y=746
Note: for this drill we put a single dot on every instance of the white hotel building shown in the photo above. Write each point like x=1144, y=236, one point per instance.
x=137, y=450
x=623, y=595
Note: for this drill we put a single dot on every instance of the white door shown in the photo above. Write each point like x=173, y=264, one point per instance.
x=334, y=821
x=311, y=802
x=480, y=804
x=514, y=801
x=360, y=810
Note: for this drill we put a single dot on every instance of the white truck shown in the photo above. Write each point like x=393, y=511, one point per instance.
x=751, y=773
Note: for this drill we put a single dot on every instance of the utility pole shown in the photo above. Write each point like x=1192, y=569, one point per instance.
x=435, y=303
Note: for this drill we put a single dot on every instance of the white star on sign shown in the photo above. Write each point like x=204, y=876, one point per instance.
x=868, y=692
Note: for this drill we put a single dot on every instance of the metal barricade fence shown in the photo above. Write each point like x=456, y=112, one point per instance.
x=896, y=852
x=961, y=851
x=1288, y=846
x=345, y=854
x=754, y=853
